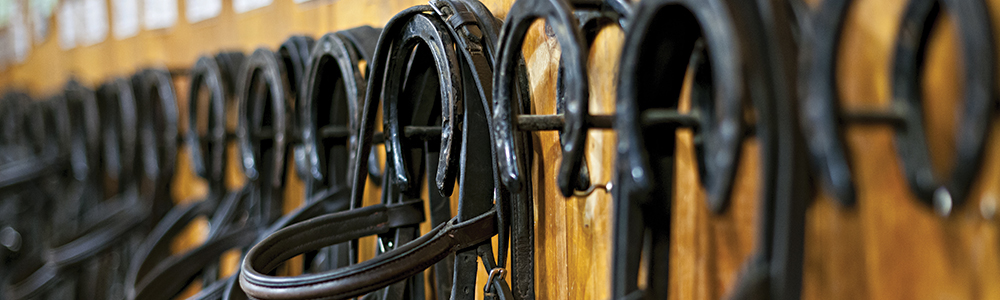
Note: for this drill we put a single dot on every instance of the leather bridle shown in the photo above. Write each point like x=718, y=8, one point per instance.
x=326, y=189
x=89, y=225
x=405, y=36
x=26, y=273
x=157, y=273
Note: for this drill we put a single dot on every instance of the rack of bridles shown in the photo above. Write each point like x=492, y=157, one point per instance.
x=86, y=209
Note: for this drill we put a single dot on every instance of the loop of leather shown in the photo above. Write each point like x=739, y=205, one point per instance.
x=410, y=258
x=397, y=264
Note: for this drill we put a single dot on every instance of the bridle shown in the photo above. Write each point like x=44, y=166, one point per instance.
x=89, y=225
x=26, y=272
x=157, y=273
x=436, y=27
x=335, y=57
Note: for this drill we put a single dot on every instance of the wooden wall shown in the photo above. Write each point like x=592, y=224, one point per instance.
x=888, y=247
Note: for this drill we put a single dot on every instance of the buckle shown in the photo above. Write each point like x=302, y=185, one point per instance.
x=495, y=273
x=463, y=20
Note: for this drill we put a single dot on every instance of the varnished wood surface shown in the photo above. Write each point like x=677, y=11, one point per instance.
x=887, y=247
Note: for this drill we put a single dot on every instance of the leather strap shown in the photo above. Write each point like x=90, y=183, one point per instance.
x=295, y=52
x=475, y=224
x=172, y=275
x=120, y=218
x=153, y=254
x=394, y=265
x=103, y=223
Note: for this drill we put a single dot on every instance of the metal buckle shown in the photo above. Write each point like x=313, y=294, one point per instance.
x=495, y=274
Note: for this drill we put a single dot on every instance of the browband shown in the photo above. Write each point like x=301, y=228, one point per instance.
x=394, y=265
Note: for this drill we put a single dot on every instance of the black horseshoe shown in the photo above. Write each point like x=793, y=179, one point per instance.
x=822, y=117
x=86, y=128
x=644, y=148
x=717, y=95
x=295, y=53
x=208, y=150
x=157, y=136
x=12, y=138
x=975, y=32
x=449, y=76
x=591, y=19
x=333, y=91
x=558, y=15
x=392, y=265
x=118, y=119
x=262, y=139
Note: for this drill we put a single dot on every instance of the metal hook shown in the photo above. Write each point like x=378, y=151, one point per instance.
x=590, y=190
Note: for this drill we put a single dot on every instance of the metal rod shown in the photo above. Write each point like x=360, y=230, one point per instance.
x=334, y=131
x=422, y=132
x=873, y=117
x=540, y=122
x=649, y=117
x=663, y=116
x=409, y=132
x=558, y=121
